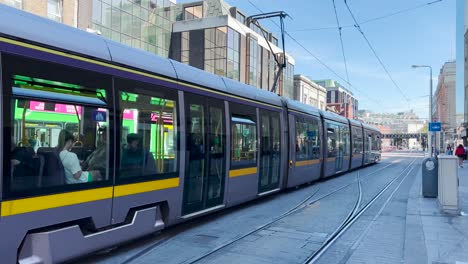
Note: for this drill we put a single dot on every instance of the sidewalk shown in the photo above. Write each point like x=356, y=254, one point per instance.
x=431, y=235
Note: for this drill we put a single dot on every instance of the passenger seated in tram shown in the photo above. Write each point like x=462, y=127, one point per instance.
x=97, y=160
x=136, y=161
x=23, y=165
x=71, y=163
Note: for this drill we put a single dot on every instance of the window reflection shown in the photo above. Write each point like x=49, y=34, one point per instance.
x=307, y=139
x=149, y=132
x=244, y=141
x=193, y=12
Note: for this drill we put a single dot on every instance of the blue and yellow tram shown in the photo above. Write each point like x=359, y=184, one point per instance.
x=157, y=142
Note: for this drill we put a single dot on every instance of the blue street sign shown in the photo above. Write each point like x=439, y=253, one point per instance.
x=435, y=126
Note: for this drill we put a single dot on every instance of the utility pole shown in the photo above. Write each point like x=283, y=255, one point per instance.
x=281, y=64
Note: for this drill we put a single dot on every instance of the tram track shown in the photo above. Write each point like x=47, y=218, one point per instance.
x=167, y=235
x=356, y=213
x=297, y=208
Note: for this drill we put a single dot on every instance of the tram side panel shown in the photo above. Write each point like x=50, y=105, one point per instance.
x=40, y=197
x=243, y=165
x=156, y=126
x=305, y=149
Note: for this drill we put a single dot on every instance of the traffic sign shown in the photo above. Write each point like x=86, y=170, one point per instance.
x=435, y=126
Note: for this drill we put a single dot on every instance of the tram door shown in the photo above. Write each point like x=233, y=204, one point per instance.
x=206, y=154
x=367, y=148
x=269, y=151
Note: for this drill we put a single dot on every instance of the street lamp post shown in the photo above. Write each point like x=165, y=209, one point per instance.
x=429, y=134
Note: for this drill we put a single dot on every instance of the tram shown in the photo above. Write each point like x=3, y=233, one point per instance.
x=169, y=142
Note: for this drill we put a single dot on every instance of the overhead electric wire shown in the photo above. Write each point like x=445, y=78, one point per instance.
x=373, y=19
x=401, y=11
x=358, y=27
x=319, y=60
x=341, y=40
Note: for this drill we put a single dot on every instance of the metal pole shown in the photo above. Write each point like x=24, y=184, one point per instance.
x=430, y=111
x=429, y=133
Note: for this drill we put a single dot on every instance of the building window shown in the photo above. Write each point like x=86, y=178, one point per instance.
x=259, y=67
x=193, y=12
x=288, y=81
x=274, y=40
x=185, y=48
x=14, y=3
x=233, y=54
x=144, y=24
x=54, y=10
x=252, y=61
x=240, y=17
x=215, y=50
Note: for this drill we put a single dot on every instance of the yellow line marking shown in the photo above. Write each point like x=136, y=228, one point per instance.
x=331, y=159
x=307, y=162
x=242, y=172
x=27, y=205
x=141, y=187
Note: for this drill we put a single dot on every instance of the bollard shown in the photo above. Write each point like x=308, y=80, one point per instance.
x=448, y=184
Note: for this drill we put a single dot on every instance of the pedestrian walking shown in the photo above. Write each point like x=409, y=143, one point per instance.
x=460, y=153
x=449, y=149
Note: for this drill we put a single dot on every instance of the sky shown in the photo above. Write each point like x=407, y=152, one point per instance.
x=424, y=36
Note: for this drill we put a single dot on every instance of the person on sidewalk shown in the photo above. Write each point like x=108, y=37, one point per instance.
x=449, y=149
x=460, y=153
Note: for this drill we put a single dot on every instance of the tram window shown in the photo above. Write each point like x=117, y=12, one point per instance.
x=357, y=141
x=149, y=135
x=244, y=141
x=48, y=146
x=344, y=142
x=332, y=143
x=307, y=139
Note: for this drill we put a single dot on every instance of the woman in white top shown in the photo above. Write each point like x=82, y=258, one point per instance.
x=71, y=163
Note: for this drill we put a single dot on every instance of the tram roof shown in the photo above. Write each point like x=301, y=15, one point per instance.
x=298, y=106
x=248, y=91
x=27, y=26
x=369, y=127
x=354, y=122
x=334, y=117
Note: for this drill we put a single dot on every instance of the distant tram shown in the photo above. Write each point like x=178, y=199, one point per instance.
x=169, y=142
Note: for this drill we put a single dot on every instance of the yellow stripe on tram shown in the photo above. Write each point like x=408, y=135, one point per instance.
x=28, y=205
x=33, y=204
x=307, y=162
x=242, y=172
x=135, y=188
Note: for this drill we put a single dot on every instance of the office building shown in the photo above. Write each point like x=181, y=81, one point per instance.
x=308, y=92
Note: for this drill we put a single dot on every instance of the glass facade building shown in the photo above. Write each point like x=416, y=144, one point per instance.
x=143, y=24
x=222, y=43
